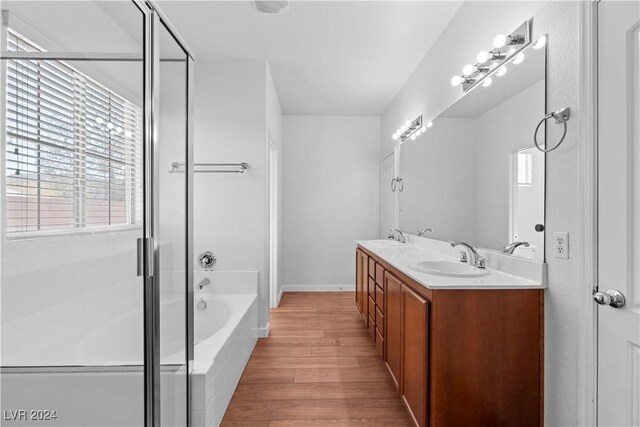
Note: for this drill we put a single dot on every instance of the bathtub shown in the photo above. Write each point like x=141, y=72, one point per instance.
x=94, y=375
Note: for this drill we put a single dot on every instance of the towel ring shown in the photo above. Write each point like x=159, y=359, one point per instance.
x=397, y=183
x=561, y=116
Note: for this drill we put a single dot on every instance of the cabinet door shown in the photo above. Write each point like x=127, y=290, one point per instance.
x=415, y=352
x=359, y=271
x=364, y=292
x=393, y=294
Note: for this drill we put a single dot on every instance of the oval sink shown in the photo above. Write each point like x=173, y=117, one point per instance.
x=448, y=268
x=384, y=243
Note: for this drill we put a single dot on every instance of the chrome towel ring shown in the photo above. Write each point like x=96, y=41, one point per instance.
x=561, y=116
x=397, y=183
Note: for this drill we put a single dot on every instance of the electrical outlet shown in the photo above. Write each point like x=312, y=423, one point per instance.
x=561, y=244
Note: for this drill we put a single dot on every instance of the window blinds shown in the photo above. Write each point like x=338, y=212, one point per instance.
x=74, y=149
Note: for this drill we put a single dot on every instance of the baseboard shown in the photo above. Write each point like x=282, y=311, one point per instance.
x=280, y=296
x=263, y=332
x=319, y=288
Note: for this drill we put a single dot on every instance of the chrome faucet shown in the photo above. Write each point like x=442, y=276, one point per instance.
x=421, y=232
x=402, y=238
x=513, y=246
x=474, y=259
x=203, y=282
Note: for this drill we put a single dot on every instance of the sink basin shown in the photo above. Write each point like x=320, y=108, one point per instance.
x=448, y=268
x=384, y=243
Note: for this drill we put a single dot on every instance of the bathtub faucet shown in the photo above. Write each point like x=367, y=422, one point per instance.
x=203, y=282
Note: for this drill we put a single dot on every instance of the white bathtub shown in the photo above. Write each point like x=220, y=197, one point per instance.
x=94, y=376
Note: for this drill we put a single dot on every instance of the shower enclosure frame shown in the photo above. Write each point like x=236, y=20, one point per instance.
x=148, y=249
x=148, y=258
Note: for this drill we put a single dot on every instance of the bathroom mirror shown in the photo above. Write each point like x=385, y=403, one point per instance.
x=475, y=175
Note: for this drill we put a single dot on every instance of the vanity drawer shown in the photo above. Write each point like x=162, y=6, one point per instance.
x=380, y=320
x=372, y=267
x=379, y=275
x=380, y=298
x=372, y=305
x=379, y=343
x=372, y=288
x=372, y=328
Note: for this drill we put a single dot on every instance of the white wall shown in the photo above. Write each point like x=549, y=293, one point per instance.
x=428, y=92
x=230, y=210
x=331, y=198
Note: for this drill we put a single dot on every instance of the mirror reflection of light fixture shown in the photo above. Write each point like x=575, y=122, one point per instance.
x=540, y=43
x=518, y=58
x=506, y=47
x=501, y=71
x=411, y=130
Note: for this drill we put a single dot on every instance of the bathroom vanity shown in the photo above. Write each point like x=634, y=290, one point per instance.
x=463, y=350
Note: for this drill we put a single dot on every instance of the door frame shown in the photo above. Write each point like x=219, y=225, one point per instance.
x=273, y=218
x=588, y=314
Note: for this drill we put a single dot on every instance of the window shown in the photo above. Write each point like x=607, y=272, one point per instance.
x=74, y=150
x=525, y=167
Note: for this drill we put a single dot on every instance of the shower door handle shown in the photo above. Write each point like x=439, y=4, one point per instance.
x=145, y=256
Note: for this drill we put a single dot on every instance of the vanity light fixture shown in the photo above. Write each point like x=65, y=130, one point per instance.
x=411, y=130
x=506, y=47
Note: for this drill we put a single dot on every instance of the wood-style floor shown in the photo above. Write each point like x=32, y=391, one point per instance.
x=317, y=368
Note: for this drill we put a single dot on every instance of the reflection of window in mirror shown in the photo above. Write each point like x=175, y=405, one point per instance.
x=524, y=169
x=526, y=207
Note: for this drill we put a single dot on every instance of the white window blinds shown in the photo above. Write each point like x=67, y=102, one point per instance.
x=74, y=150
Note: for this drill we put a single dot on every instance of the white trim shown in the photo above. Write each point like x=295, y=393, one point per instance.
x=351, y=287
x=263, y=332
x=587, y=361
x=280, y=296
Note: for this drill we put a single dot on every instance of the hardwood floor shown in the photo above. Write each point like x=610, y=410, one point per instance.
x=318, y=368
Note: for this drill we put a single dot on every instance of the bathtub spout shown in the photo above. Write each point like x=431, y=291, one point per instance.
x=203, y=282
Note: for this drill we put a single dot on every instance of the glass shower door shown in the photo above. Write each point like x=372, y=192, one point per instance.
x=174, y=165
x=72, y=129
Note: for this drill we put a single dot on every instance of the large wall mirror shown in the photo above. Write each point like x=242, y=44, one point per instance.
x=476, y=175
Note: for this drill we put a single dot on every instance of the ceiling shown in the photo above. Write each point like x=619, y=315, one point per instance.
x=326, y=57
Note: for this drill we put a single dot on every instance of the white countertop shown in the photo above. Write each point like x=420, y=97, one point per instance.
x=505, y=271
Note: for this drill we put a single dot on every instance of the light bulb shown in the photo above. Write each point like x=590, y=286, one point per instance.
x=429, y=124
x=127, y=134
x=109, y=125
x=118, y=129
x=499, y=41
x=539, y=44
x=423, y=129
x=418, y=132
x=483, y=57
x=395, y=136
x=413, y=137
x=501, y=71
x=487, y=82
x=407, y=123
x=519, y=58
x=99, y=120
x=403, y=128
x=456, y=81
x=469, y=69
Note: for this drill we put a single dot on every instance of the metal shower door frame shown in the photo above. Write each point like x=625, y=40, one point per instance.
x=149, y=251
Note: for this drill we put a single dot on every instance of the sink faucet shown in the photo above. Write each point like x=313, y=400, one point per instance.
x=512, y=247
x=402, y=238
x=203, y=282
x=474, y=258
x=421, y=232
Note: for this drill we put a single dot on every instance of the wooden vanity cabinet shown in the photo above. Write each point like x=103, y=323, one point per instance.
x=393, y=303
x=414, y=353
x=458, y=357
x=362, y=284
